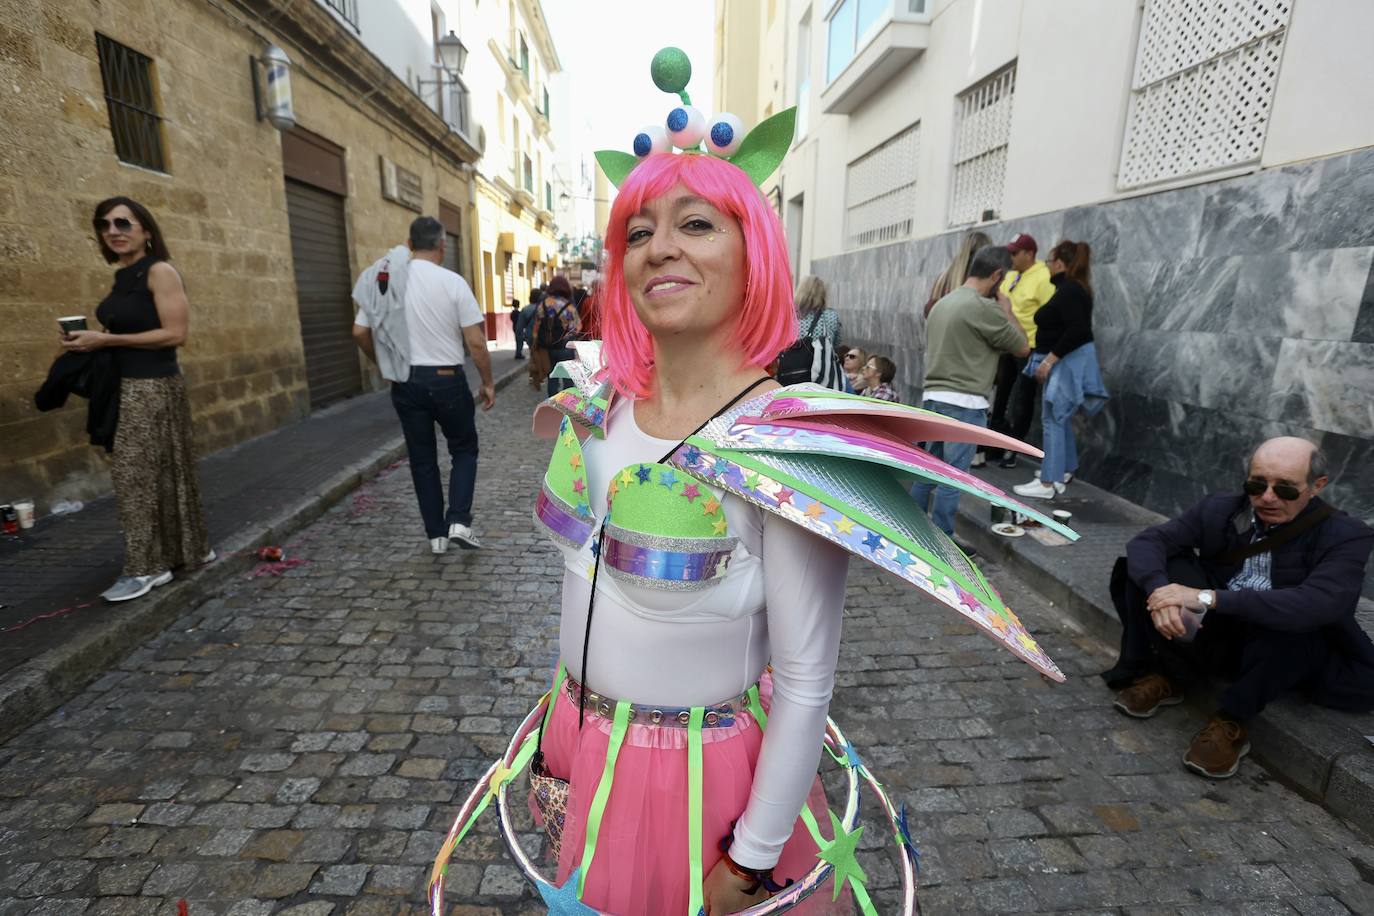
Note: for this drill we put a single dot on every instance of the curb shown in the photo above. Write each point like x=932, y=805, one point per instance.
x=1294, y=741
x=37, y=687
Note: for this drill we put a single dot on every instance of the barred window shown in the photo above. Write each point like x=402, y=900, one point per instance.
x=983, y=131
x=880, y=191
x=1205, y=74
x=134, y=121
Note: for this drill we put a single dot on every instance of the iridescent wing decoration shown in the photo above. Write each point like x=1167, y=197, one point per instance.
x=842, y=467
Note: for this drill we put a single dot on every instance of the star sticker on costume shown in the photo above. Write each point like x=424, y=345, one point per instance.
x=967, y=599
x=691, y=492
x=720, y=467
x=814, y=511
x=752, y=481
x=575, y=460
x=719, y=526
x=844, y=525
x=693, y=454
x=562, y=901
x=627, y=477
x=999, y=623
x=569, y=440
x=584, y=510
x=710, y=506
x=579, y=486
x=937, y=578
x=785, y=495
x=904, y=558
x=1026, y=642
x=840, y=853
x=643, y=473
x=667, y=478
x=614, y=488
x=873, y=541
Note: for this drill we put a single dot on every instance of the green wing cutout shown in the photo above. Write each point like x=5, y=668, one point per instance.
x=616, y=164
x=764, y=146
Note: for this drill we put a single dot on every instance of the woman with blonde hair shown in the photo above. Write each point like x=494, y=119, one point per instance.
x=957, y=271
x=816, y=318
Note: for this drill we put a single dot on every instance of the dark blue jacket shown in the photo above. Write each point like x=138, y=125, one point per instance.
x=1316, y=577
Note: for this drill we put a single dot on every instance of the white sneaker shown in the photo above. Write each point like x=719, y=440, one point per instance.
x=438, y=546
x=1068, y=477
x=127, y=588
x=979, y=459
x=464, y=536
x=1037, y=489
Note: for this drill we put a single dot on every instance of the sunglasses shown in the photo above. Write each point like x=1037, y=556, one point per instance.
x=119, y=223
x=851, y=356
x=1284, y=491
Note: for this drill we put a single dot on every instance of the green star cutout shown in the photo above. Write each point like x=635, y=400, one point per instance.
x=841, y=853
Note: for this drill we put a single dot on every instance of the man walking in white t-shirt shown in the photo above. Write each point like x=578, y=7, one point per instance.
x=411, y=315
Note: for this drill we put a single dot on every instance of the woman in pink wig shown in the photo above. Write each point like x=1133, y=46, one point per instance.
x=696, y=303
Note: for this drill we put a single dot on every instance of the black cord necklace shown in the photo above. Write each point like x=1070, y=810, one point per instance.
x=601, y=543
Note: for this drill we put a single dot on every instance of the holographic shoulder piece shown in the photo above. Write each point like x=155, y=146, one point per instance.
x=841, y=467
x=665, y=530
x=562, y=506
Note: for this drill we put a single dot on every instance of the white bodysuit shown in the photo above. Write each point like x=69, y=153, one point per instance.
x=780, y=602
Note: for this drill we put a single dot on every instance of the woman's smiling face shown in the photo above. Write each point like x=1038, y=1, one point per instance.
x=684, y=265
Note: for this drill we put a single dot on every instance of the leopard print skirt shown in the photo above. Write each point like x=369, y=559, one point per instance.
x=156, y=483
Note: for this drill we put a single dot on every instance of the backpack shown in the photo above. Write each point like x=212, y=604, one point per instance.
x=558, y=324
x=811, y=360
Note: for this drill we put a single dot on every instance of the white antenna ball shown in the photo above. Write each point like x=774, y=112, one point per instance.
x=651, y=139
x=686, y=126
x=724, y=134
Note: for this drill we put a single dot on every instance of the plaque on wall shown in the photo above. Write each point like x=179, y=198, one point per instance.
x=401, y=186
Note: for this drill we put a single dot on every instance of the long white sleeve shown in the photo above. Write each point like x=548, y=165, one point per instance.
x=804, y=583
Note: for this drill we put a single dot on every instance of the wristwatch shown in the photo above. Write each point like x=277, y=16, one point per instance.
x=1207, y=598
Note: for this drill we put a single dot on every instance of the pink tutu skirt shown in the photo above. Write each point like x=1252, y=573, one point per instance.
x=641, y=865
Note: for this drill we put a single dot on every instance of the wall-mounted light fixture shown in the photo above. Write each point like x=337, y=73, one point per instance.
x=452, y=52
x=272, y=88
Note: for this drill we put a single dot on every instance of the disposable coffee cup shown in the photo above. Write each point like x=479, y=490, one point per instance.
x=72, y=323
x=24, y=509
x=1062, y=515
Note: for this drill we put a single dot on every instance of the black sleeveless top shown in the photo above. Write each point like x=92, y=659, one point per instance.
x=129, y=309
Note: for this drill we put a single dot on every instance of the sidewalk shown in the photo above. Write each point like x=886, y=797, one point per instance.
x=1321, y=752
x=257, y=492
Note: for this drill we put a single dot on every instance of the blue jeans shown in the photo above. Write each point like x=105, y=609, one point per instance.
x=959, y=454
x=439, y=394
x=1061, y=452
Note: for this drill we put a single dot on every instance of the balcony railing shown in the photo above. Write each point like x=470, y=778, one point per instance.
x=348, y=9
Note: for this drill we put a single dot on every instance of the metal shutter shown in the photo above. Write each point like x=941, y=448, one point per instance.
x=324, y=287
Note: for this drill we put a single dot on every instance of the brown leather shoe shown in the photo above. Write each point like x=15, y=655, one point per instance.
x=1217, y=749
x=1143, y=698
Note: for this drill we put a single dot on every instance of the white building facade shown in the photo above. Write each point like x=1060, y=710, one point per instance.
x=1218, y=156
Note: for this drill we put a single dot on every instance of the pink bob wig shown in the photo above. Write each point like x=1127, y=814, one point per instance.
x=767, y=320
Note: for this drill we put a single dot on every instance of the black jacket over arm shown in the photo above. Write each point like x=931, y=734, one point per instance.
x=94, y=376
x=1316, y=577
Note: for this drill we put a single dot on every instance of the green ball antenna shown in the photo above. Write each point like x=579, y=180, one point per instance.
x=671, y=71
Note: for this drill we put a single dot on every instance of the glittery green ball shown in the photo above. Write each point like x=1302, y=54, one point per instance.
x=671, y=70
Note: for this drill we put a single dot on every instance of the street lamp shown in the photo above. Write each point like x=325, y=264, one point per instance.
x=273, y=100
x=452, y=52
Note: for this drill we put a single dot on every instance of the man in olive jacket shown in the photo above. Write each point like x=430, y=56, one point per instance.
x=1267, y=580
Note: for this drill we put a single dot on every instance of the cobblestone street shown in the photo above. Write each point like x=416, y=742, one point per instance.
x=299, y=744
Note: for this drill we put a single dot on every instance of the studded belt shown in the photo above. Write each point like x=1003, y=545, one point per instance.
x=717, y=715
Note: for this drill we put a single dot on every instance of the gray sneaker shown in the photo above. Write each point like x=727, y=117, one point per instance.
x=464, y=536
x=127, y=588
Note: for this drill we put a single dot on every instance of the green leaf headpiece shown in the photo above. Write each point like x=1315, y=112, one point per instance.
x=686, y=128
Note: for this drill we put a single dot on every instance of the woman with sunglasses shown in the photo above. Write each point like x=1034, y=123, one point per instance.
x=153, y=465
x=854, y=360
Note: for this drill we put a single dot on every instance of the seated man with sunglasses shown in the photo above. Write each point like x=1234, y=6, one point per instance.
x=1262, y=586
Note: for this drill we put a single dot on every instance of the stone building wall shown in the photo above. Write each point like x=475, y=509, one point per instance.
x=1225, y=313
x=221, y=206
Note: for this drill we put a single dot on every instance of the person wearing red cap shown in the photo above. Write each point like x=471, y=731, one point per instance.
x=1028, y=286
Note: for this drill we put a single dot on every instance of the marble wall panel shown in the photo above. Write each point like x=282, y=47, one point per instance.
x=1258, y=214
x=1192, y=295
x=1342, y=210
x=1325, y=384
x=1225, y=313
x=1316, y=295
x=1364, y=321
x=1120, y=291
x=1158, y=227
